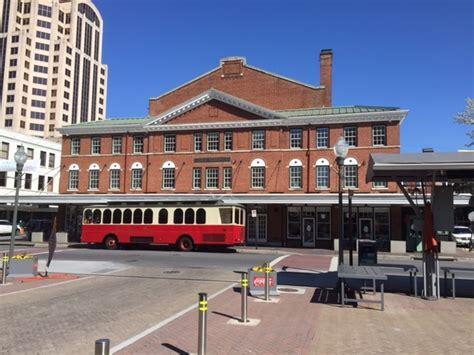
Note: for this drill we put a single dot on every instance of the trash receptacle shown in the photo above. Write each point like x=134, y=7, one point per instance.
x=367, y=252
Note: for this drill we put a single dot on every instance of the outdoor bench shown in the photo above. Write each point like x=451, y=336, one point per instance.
x=412, y=271
x=346, y=272
x=453, y=270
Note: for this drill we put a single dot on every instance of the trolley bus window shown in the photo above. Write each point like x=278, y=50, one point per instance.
x=189, y=216
x=96, y=217
x=201, y=216
x=117, y=216
x=163, y=216
x=226, y=215
x=137, y=216
x=236, y=216
x=127, y=216
x=107, y=217
x=178, y=216
x=242, y=217
x=87, y=216
x=149, y=216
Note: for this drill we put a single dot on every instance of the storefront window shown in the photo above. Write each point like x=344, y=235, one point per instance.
x=323, y=227
x=294, y=223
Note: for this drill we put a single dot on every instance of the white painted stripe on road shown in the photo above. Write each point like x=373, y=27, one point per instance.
x=59, y=283
x=334, y=263
x=277, y=260
x=163, y=323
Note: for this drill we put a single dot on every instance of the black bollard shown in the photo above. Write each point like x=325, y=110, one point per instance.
x=102, y=347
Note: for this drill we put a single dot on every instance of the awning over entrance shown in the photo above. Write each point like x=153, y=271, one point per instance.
x=449, y=167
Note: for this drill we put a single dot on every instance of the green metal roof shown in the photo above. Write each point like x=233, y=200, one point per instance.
x=322, y=111
x=115, y=122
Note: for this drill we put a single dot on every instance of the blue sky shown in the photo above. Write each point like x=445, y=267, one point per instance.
x=413, y=54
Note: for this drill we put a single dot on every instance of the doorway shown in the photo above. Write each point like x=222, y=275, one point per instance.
x=308, y=232
x=365, y=228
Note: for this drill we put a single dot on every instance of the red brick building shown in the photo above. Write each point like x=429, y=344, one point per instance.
x=242, y=134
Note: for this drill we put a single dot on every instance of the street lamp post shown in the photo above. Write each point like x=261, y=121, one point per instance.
x=20, y=159
x=340, y=150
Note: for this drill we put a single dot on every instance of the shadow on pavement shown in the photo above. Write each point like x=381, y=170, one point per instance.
x=175, y=349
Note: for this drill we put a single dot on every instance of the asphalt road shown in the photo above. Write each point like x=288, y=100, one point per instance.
x=118, y=295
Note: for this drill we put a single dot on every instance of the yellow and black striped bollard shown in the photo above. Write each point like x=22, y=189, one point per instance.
x=267, y=270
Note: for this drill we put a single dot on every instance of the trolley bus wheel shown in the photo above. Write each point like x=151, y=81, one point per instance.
x=185, y=244
x=111, y=242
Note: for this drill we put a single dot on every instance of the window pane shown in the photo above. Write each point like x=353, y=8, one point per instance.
x=178, y=216
x=189, y=216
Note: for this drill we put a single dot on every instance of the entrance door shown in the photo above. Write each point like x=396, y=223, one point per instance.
x=257, y=228
x=308, y=232
x=365, y=228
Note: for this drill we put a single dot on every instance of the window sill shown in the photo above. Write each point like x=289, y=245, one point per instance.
x=92, y=190
x=114, y=189
x=322, y=189
x=72, y=190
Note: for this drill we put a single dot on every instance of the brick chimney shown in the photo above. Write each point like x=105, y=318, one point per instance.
x=325, y=74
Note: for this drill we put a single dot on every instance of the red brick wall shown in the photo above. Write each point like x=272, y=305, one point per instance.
x=248, y=84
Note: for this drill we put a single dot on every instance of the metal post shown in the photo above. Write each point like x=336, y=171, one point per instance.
x=340, y=163
x=102, y=347
x=244, y=281
x=349, y=196
x=202, y=323
x=267, y=282
x=4, y=268
x=15, y=212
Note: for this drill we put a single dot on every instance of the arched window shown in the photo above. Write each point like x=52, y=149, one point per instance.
x=114, y=177
x=201, y=216
x=107, y=217
x=168, y=175
x=178, y=216
x=148, y=216
x=94, y=171
x=322, y=174
x=137, y=176
x=257, y=168
x=96, y=216
x=351, y=168
x=87, y=217
x=137, y=216
x=296, y=174
x=189, y=216
x=117, y=219
x=73, y=183
x=127, y=216
x=163, y=216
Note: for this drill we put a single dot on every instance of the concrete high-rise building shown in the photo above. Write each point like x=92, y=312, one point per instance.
x=51, y=71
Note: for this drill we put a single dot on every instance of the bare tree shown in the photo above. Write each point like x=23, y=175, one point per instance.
x=467, y=117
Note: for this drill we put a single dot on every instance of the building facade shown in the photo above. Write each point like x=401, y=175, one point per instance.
x=40, y=176
x=51, y=71
x=241, y=134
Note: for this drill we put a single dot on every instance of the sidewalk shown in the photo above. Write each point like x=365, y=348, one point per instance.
x=307, y=319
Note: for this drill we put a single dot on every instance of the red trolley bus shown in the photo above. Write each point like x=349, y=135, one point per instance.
x=183, y=226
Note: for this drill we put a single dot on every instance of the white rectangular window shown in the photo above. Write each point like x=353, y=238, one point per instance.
x=380, y=184
x=379, y=135
x=322, y=137
x=5, y=150
x=137, y=176
x=197, y=178
x=296, y=177
x=227, y=184
x=114, y=183
x=42, y=158
x=137, y=144
x=258, y=177
x=93, y=179
x=350, y=176
x=197, y=142
x=212, y=178
x=117, y=145
x=228, y=141
x=170, y=143
x=322, y=176
x=52, y=160
x=213, y=141
x=95, y=145
x=258, y=140
x=350, y=135
x=73, y=180
x=75, y=146
x=168, y=178
x=296, y=138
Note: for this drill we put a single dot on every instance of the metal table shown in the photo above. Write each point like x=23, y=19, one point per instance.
x=347, y=272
